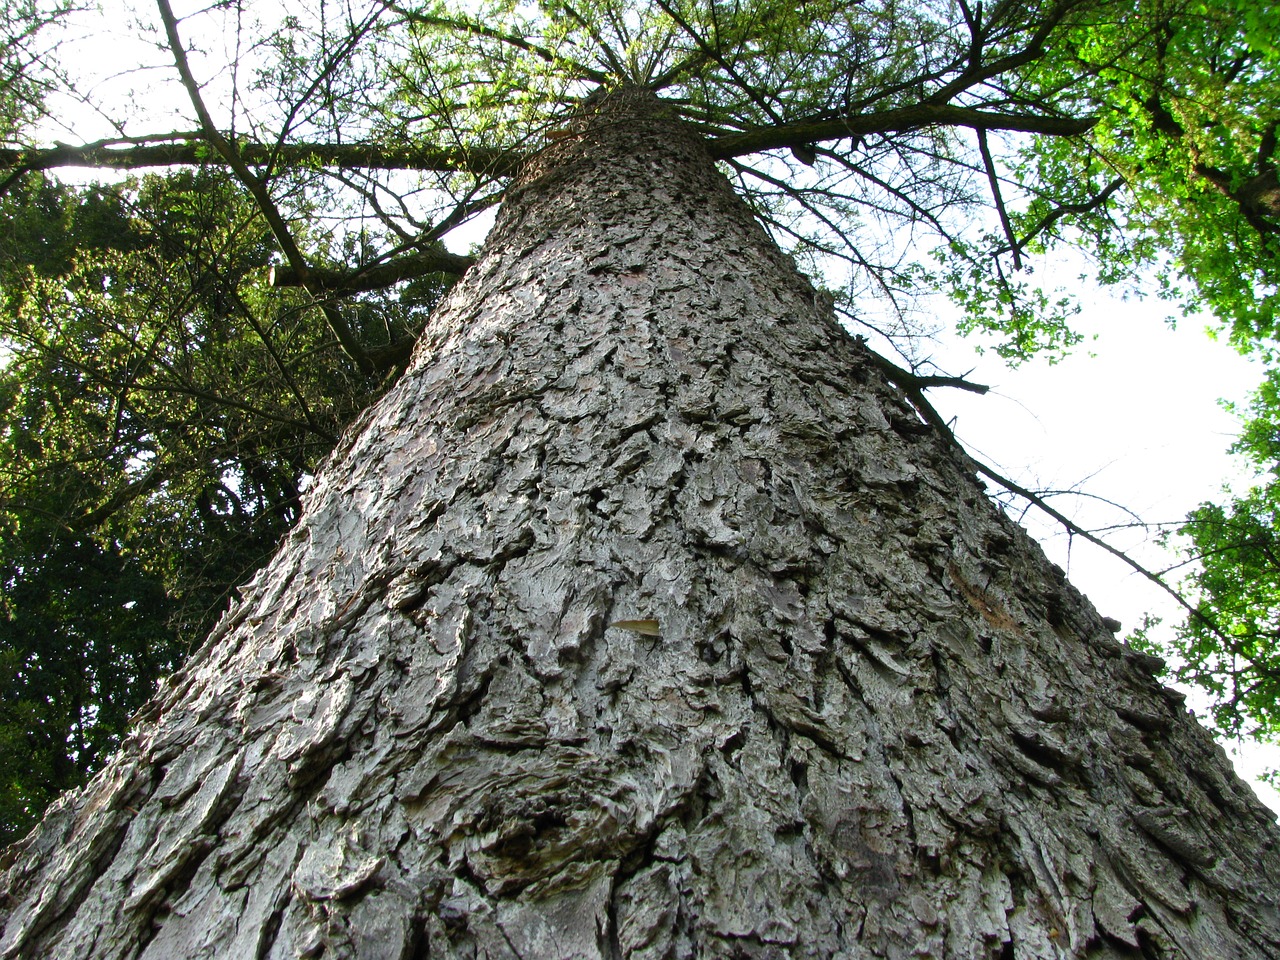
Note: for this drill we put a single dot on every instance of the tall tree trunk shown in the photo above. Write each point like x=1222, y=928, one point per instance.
x=644, y=619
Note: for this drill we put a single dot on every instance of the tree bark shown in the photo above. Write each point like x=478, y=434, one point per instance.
x=643, y=618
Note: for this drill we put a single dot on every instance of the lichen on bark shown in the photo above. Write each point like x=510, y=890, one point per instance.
x=874, y=720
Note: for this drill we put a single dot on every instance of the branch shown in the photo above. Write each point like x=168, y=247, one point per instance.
x=278, y=361
x=899, y=120
x=1066, y=209
x=615, y=64
x=323, y=76
x=996, y=195
x=1257, y=198
x=482, y=30
x=257, y=187
x=931, y=416
x=713, y=54
x=1267, y=148
x=694, y=61
x=1076, y=530
x=190, y=149
x=394, y=354
x=186, y=149
x=978, y=72
x=93, y=518
x=372, y=278
x=913, y=383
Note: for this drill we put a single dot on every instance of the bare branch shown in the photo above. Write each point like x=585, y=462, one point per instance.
x=375, y=277
x=900, y=120
x=907, y=380
x=931, y=415
x=998, y=198
x=191, y=149
x=1076, y=530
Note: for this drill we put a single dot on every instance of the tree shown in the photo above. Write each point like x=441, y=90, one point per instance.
x=80, y=655
x=160, y=402
x=644, y=615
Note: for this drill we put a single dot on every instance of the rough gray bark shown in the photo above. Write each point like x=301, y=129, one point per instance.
x=851, y=710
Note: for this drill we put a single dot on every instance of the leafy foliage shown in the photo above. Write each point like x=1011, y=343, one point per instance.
x=160, y=412
x=1229, y=646
x=1198, y=137
x=1192, y=137
x=84, y=636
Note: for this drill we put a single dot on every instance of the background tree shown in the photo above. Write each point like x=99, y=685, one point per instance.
x=1204, y=123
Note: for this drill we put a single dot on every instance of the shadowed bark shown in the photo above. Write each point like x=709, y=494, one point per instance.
x=643, y=618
